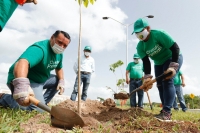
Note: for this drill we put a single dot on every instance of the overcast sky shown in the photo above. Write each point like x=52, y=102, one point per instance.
x=31, y=23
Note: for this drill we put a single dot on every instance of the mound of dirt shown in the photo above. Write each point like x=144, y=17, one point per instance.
x=109, y=102
x=105, y=117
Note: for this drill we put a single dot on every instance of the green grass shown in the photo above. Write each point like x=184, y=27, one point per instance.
x=179, y=115
x=10, y=119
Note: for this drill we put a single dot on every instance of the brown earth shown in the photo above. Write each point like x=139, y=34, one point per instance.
x=106, y=118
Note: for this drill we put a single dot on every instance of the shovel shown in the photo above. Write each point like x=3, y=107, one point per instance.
x=127, y=96
x=60, y=117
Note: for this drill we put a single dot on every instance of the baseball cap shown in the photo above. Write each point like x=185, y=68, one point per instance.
x=139, y=25
x=136, y=56
x=88, y=48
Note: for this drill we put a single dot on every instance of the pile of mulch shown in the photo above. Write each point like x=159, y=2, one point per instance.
x=107, y=118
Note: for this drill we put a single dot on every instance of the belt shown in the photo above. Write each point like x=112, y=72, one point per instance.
x=83, y=72
x=135, y=79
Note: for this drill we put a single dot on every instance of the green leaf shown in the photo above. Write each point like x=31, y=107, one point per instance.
x=86, y=2
x=92, y=2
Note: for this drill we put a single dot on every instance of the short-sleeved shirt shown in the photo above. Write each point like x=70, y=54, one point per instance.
x=157, y=47
x=135, y=70
x=177, y=79
x=42, y=60
x=7, y=7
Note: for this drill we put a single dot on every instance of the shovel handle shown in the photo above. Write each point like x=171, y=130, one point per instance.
x=149, y=100
x=37, y=103
x=151, y=82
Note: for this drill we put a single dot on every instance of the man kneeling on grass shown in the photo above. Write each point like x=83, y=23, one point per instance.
x=30, y=74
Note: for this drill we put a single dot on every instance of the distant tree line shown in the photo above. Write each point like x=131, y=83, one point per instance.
x=195, y=102
x=190, y=103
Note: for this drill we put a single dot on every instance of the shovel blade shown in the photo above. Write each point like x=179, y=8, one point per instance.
x=65, y=118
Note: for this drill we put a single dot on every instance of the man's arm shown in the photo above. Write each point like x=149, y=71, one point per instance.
x=183, y=80
x=146, y=65
x=75, y=67
x=127, y=77
x=61, y=82
x=21, y=68
x=93, y=66
x=59, y=73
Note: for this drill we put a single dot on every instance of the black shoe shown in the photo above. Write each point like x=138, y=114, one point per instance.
x=164, y=116
x=176, y=109
x=184, y=110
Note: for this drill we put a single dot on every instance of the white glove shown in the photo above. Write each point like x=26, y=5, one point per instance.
x=61, y=86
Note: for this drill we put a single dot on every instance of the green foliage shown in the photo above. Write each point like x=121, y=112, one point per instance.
x=116, y=65
x=195, y=102
x=86, y=2
x=119, y=82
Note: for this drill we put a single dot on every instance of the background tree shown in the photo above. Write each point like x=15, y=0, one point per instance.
x=196, y=101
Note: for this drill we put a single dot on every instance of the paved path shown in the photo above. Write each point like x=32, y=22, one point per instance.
x=194, y=110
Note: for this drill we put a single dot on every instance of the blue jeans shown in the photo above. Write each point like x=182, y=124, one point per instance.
x=50, y=85
x=132, y=86
x=166, y=87
x=180, y=97
x=85, y=79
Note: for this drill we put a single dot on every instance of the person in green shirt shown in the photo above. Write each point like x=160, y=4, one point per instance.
x=7, y=8
x=134, y=74
x=30, y=74
x=178, y=82
x=165, y=53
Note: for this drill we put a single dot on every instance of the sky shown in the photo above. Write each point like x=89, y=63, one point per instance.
x=31, y=23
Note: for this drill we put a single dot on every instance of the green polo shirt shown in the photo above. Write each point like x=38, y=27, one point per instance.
x=177, y=78
x=7, y=7
x=135, y=70
x=157, y=47
x=42, y=60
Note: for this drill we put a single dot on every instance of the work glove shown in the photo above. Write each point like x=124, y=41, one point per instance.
x=146, y=82
x=61, y=86
x=22, y=91
x=22, y=2
x=173, y=67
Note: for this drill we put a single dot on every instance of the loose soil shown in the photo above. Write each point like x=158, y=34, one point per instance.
x=106, y=118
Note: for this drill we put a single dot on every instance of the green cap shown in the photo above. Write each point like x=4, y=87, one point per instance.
x=136, y=56
x=88, y=48
x=140, y=24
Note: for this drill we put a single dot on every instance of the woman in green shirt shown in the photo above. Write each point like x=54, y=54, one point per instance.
x=165, y=53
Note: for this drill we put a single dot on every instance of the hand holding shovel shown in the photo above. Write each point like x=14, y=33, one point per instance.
x=127, y=95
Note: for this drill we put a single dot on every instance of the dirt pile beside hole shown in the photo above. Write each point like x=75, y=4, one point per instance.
x=98, y=117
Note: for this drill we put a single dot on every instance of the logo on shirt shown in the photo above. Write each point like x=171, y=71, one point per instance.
x=154, y=50
x=137, y=67
x=52, y=64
